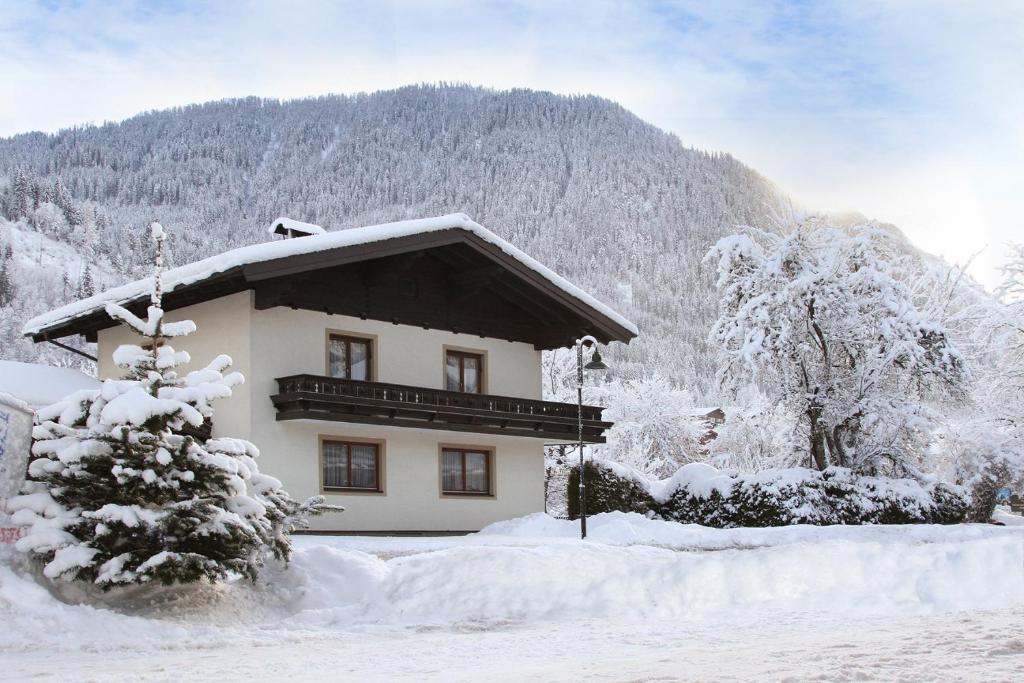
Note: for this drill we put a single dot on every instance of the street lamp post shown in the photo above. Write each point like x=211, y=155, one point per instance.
x=595, y=364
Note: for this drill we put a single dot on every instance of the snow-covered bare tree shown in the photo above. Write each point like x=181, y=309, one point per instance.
x=758, y=434
x=983, y=448
x=657, y=428
x=124, y=488
x=819, y=319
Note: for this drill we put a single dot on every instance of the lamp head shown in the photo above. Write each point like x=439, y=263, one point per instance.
x=595, y=362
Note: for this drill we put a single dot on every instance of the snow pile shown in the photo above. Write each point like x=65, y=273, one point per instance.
x=41, y=385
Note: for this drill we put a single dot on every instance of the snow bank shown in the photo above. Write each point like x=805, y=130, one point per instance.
x=590, y=580
x=257, y=253
x=488, y=580
x=630, y=528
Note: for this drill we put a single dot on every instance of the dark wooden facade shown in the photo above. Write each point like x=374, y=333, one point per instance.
x=449, y=279
x=314, y=397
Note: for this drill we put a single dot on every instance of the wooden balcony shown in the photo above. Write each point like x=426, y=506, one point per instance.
x=313, y=397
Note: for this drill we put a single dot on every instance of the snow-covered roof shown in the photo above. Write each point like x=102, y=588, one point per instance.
x=285, y=225
x=257, y=253
x=41, y=385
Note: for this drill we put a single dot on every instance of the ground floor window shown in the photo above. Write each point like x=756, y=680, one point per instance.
x=349, y=465
x=466, y=471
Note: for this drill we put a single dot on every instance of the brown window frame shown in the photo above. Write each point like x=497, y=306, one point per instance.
x=462, y=356
x=463, y=450
x=378, y=447
x=348, y=339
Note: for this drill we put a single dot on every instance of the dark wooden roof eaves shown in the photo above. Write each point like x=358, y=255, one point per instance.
x=246, y=276
x=218, y=285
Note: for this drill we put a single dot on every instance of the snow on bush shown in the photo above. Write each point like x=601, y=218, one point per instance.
x=701, y=494
x=123, y=489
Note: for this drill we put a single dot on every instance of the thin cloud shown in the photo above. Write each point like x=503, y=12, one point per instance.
x=909, y=112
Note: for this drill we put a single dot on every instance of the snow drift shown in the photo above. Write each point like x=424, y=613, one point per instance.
x=530, y=573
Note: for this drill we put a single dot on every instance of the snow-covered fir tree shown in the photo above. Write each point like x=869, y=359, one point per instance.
x=122, y=488
x=821, y=321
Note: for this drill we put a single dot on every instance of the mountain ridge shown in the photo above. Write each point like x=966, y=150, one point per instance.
x=602, y=197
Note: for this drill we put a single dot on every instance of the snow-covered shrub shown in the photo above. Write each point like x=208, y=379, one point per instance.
x=984, y=455
x=701, y=494
x=610, y=487
x=121, y=491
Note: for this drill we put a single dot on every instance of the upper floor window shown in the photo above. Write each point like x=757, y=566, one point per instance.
x=464, y=371
x=349, y=357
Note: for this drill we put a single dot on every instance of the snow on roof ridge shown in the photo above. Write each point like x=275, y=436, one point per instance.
x=292, y=224
x=268, y=251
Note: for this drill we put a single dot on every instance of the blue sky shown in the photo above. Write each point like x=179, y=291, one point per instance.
x=910, y=112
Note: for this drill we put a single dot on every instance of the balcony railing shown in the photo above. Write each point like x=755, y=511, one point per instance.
x=313, y=397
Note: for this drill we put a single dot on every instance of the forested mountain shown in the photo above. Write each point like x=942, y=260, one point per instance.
x=615, y=204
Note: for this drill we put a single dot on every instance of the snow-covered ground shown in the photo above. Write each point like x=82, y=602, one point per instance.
x=640, y=600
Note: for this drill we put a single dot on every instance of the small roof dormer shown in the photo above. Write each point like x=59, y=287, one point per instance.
x=289, y=229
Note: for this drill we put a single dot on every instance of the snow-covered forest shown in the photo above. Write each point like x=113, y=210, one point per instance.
x=618, y=206
x=614, y=204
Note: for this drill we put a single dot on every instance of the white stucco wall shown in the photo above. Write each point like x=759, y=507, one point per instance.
x=281, y=341
x=222, y=326
x=288, y=342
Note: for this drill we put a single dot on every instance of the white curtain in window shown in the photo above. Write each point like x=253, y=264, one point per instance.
x=335, y=464
x=476, y=472
x=364, y=465
x=471, y=374
x=451, y=471
x=360, y=361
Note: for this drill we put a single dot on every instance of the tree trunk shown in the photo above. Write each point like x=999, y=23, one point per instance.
x=835, y=445
x=983, y=494
x=817, y=437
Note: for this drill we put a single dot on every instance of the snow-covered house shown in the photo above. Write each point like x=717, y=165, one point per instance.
x=396, y=368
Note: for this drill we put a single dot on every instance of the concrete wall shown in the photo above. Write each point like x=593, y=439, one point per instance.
x=280, y=342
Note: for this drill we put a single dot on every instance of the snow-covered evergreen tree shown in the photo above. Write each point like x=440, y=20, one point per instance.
x=6, y=275
x=122, y=489
x=820, y=320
